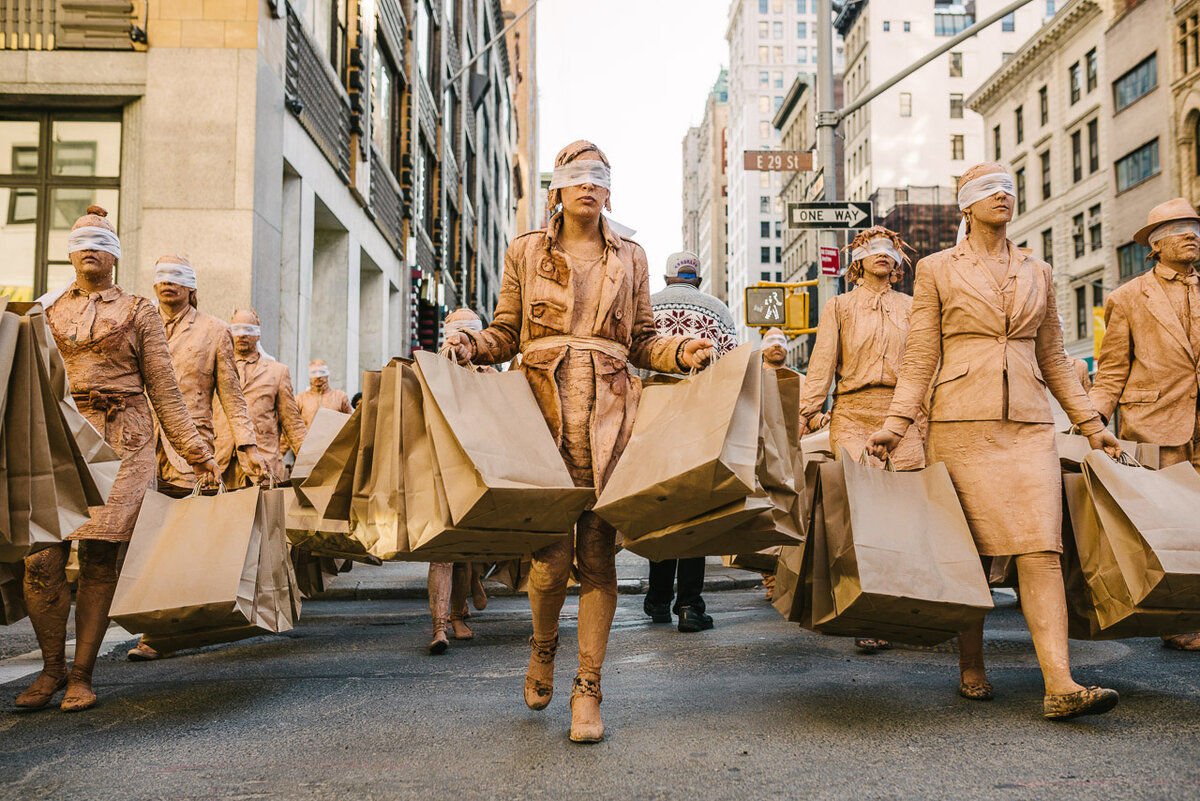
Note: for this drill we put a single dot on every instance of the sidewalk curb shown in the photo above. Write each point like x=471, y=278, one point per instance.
x=369, y=591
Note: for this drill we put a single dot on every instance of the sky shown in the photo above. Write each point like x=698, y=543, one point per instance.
x=631, y=76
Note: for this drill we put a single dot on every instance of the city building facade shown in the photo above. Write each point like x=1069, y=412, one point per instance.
x=1047, y=114
x=522, y=56
x=770, y=43
x=705, y=203
x=296, y=153
x=919, y=132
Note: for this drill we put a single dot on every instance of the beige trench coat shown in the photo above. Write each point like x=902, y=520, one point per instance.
x=267, y=386
x=537, y=300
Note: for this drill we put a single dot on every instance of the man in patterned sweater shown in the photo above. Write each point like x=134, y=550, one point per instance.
x=683, y=310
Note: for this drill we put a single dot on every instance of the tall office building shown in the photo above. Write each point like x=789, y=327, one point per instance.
x=770, y=43
x=705, y=201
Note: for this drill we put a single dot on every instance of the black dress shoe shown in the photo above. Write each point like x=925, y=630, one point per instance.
x=659, y=613
x=692, y=619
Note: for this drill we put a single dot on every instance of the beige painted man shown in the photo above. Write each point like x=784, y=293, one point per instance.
x=319, y=394
x=267, y=386
x=1148, y=366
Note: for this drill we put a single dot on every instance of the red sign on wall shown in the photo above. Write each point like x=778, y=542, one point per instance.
x=831, y=262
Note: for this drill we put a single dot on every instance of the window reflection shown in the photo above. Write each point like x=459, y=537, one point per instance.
x=86, y=147
x=18, y=242
x=18, y=147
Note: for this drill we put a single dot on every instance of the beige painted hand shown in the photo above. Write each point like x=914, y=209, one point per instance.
x=697, y=354
x=1106, y=441
x=464, y=348
x=258, y=465
x=207, y=473
x=882, y=443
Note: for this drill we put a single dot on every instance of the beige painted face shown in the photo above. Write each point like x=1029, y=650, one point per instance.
x=1179, y=249
x=171, y=294
x=584, y=200
x=245, y=345
x=995, y=210
x=93, y=265
x=879, y=265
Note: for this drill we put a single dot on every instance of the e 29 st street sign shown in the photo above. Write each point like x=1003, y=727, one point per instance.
x=777, y=160
x=837, y=215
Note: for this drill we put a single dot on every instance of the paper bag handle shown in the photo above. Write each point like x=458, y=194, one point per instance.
x=1126, y=459
x=865, y=461
x=196, y=490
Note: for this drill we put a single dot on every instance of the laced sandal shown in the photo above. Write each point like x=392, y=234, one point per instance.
x=440, y=641
x=143, y=653
x=1183, y=642
x=44, y=688
x=461, y=630
x=586, y=725
x=976, y=690
x=1088, y=701
x=539, y=678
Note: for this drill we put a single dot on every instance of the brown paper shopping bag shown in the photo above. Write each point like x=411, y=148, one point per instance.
x=12, y=595
x=324, y=429
x=1099, y=605
x=901, y=561
x=431, y=531
x=1074, y=447
x=793, y=592
x=329, y=486
x=377, y=517
x=500, y=467
x=96, y=462
x=1150, y=520
x=192, y=563
x=693, y=448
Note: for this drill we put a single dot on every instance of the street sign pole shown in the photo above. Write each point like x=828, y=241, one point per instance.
x=827, y=120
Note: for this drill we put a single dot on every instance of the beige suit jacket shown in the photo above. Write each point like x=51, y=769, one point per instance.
x=986, y=355
x=1147, y=366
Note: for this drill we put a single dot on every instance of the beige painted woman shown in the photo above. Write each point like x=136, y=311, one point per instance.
x=985, y=312
x=575, y=303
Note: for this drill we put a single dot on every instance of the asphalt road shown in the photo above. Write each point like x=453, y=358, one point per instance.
x=349, y=706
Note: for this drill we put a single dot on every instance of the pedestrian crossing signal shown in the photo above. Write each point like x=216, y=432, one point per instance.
x=782, y=306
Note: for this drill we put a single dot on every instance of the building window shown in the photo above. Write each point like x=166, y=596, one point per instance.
x=1093, y=69
x=801, y=6
x=778, y=258
x=764, y=30
x=764, y=79
x=801, y=30
x=906, y=104
x=1077, y=235
x=764, y=229
x=764, y=104
x=1081, y=315
x=1019, y=117
x=1189, y=44
x=1008, y=23
x=778, y=229
x=764, y=129
x=1093, y=128
x=776, y=30
x=385, y=129
x=778, y=102
x=764, y=54
x=1095, y=234
x=1077, y=156
x=957, y=147
x=1045, y=159
x=429, y=167
x=762, y=6
x=887, y=26
x=907, y=26
x=764, y=256
x=1050, y=8
x=956, y=106
x=1136, y=83
x=777, y=54
x=802, y=55
x=1021, y=191
x=425, y=49
x=764, y=204
x=56, y=166
x=951, y=24
x=1073, y=79
x=1043, y=106
x=1131, y=259
x=996, y=143
x=1137, y=166
x=955, y=65
x=1048, y=246
x=777, y=78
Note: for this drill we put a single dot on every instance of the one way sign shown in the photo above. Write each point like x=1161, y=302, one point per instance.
x=842, y=215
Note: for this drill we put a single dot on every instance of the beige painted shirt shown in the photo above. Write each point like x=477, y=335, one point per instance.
x=202, y=355
x=311, y=400
x=267, y=386
x=860, y=343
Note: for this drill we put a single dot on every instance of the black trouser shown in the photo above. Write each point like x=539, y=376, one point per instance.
x=691, y=583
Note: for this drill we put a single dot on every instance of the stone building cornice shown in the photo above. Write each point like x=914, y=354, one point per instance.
x=1032, y=53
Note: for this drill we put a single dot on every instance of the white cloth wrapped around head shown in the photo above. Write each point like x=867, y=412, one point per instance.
x=587, y=171
x=93, y=237
x=245, y=330
x=318, y=371
x=879, y=244
x=1174, y=228
x=175, y=273
x=774, y=339
x=465, y=324
x=982, y=188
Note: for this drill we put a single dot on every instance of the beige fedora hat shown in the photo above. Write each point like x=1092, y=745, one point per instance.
x=1177, y=209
